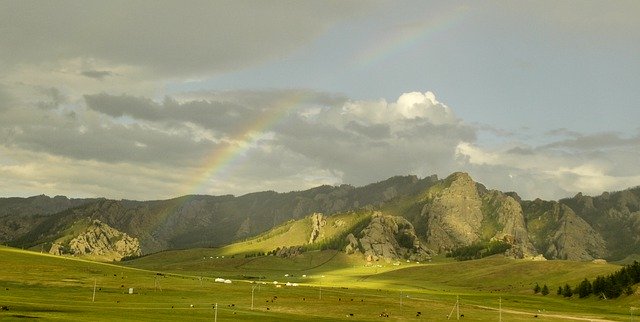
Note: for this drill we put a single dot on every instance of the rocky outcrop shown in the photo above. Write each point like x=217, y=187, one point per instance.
x=575, y=239
x=504, y=221
x=287, y=252
x=317, y=222
x=453, y=214
x=353, y=245
x=388, y=238
x=99, y=241
x=558, y=233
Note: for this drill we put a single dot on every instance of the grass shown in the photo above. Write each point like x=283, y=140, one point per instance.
x=332, y=286
x=294, y=233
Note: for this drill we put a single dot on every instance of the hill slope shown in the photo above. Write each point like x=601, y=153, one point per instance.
x=417, y=217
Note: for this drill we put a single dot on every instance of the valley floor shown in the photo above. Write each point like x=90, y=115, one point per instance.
x=181, y=285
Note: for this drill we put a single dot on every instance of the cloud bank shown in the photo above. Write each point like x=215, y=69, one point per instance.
x=126, y=146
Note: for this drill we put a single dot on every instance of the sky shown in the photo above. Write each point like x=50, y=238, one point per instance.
x=158, y=99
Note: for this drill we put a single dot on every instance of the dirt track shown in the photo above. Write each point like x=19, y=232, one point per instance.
x=547, y=315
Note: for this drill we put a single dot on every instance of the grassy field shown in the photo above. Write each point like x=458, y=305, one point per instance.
x=180, y=285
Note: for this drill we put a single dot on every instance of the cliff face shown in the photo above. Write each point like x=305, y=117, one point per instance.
x=461, y=212
x=504, y=220
x=615, y=216
x=453, y=214
x=98, y=241
x=387, y=238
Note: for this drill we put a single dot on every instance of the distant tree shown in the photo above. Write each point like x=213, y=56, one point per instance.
x=634, y=271
x=599, y=285
x=545, y=290
x=559, y=292
x=536, y=289
x=613, y=289
x=584, y=288
x=566, y=291
x=628, y=290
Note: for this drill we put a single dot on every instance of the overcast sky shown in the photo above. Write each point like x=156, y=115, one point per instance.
x=157, y=99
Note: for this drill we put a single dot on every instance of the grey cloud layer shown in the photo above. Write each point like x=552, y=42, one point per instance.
x=155, y=34
x=324, y=135
x=325, y=138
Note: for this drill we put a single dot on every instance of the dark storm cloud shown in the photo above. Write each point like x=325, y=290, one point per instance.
x=121, y=105
x=97, y=74
x=113, y=143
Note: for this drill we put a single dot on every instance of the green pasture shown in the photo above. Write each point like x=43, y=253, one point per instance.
x=180, y=286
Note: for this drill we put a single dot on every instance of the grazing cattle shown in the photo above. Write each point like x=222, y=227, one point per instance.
x=4, y=308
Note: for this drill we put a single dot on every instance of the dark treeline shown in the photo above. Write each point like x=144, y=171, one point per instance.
x=479, y=250
x=606, y=287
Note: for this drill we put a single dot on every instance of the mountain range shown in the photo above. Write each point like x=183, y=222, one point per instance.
x=403, y=217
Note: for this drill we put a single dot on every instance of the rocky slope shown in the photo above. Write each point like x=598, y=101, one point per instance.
x=18, y=216
x=209, y=221
x=417, y=217
x=97, y=240
x=387, y=238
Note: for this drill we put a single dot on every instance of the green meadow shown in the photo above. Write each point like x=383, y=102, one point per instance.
x=181, y=285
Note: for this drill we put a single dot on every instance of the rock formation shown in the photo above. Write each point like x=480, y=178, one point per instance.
x=317, y=222
x=99, y=241
x=388, y=238
x=453, y=214
x=504, y=218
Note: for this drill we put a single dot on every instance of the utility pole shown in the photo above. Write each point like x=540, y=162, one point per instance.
x=215, y=316
x=456, y=308
x=500, y=309
x=252, y=289
x=95, y=282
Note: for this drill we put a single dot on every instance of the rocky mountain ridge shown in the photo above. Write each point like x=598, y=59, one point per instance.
x=415, y=218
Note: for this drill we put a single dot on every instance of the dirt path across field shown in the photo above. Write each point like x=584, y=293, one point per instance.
x=546, y=315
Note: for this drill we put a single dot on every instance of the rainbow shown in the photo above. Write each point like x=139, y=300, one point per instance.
x=393, y=43
x=220, y=162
